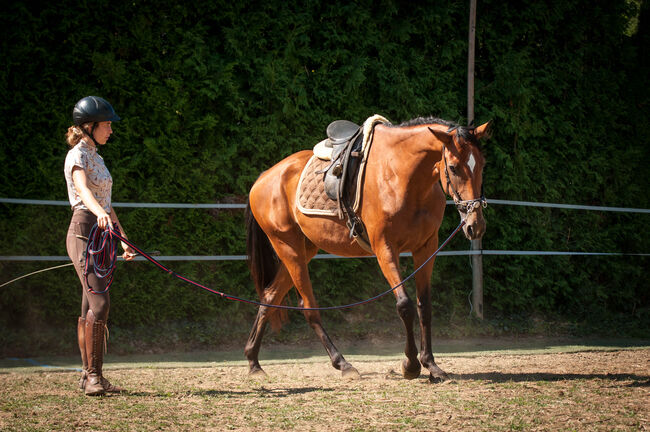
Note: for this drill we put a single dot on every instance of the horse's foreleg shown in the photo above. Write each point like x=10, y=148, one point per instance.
x=388, y=261
x=406, y=310
x=423, y=287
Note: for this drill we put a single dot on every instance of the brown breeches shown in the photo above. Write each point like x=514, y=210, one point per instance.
x=76, y=240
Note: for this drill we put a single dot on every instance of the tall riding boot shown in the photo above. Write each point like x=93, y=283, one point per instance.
x=98, y=353
x=94, y=338
x=81, y=339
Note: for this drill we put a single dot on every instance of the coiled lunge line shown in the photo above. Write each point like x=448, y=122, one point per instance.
x=102, y=244
x=102, y=248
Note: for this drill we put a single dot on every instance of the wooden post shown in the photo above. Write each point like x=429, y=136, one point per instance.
x=477, y=260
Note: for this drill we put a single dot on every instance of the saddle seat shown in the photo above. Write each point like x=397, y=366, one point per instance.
x=339, y=132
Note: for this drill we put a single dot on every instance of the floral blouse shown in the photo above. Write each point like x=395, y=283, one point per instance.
x=98, y=178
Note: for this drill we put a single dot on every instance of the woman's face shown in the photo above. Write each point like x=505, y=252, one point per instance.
x=102, y=132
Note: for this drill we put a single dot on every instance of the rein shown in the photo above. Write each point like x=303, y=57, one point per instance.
x=104, y=247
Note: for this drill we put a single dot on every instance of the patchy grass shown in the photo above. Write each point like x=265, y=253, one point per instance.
x=490, y=389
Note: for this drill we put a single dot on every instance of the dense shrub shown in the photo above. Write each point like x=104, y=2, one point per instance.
x=212, y=93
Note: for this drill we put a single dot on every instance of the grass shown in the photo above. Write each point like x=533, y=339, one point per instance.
x=497, y=385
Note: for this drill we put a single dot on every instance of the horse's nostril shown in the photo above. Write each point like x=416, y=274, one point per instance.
x=469, y=230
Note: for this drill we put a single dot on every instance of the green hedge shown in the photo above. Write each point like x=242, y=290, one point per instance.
x=213, y=93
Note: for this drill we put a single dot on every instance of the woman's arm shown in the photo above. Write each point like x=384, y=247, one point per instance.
x=103, y=218
x=129, y=253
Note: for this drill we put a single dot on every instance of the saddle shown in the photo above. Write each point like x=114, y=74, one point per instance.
x=340, y=177
x=343, y=136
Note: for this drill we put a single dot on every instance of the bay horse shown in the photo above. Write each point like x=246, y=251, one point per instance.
x=408, y=168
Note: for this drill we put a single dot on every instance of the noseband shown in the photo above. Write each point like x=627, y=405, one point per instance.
x=463, y=206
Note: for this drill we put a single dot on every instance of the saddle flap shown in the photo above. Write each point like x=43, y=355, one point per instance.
x=340, y=131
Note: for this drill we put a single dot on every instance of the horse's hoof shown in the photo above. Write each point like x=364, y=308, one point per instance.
x=437, y=379
x=410, y=374
x=257, y=373
x=350, y=373
x=437, y=375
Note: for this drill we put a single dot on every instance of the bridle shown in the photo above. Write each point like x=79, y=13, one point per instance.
x=464, y=206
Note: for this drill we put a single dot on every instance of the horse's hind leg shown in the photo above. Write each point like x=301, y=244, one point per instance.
x=423, y=287
x=254, y=342
x=296, y=263
x=338, y=361
x=273, y=294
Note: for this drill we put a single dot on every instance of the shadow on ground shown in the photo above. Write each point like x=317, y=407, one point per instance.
x=357, y=352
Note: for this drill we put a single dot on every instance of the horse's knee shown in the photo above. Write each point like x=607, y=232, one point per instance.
x=405, y=308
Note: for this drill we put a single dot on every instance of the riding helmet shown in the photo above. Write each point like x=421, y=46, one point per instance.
x=93, y=109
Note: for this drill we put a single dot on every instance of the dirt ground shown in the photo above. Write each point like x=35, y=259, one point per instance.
x=583, y=391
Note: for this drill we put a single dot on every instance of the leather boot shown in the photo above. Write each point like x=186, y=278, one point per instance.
x=101, y=333
x=94, y=340
x=110, y=388
x=81, y=339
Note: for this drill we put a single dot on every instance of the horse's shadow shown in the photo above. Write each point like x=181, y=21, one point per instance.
x=501, y=377
x=262, y=391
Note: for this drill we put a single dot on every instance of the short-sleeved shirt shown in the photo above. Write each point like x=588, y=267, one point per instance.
x=98, y=179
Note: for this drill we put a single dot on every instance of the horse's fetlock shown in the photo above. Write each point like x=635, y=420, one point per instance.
x=338, y=361
x=427, y=359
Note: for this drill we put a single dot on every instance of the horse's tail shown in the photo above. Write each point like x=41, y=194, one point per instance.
x=263, y=263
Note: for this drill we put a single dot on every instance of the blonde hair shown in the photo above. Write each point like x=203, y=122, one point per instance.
x=75, y=134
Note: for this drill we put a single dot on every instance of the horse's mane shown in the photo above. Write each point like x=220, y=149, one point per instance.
x=463, y=131
x=419, y=121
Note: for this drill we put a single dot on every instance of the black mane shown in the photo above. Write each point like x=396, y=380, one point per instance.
x=463, y=131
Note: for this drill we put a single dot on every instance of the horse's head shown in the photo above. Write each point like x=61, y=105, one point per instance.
x=461, y=173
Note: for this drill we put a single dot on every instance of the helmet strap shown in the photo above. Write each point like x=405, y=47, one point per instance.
x=91, y=134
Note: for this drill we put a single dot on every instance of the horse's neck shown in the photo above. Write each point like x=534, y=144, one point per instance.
x=413, y=152
x=408, y=156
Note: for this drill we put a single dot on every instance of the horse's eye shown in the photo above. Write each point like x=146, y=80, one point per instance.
x=452, y=168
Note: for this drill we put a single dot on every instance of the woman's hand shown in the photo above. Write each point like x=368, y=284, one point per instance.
x=129, y=253
x=104, y=220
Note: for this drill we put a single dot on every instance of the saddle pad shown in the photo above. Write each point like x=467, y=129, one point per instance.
x=312, y=199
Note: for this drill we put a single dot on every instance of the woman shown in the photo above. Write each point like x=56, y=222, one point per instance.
x=89, y=190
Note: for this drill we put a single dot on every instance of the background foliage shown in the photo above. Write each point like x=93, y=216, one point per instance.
x=212, y=93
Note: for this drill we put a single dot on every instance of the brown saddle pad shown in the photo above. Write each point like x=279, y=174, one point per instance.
x=312, y=199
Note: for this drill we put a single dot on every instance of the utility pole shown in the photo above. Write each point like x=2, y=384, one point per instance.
x=477, y=260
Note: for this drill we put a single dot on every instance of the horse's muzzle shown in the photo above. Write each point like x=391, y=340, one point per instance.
x=474, y=227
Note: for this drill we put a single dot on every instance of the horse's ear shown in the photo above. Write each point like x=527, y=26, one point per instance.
x=441, y=135
x=484, y=131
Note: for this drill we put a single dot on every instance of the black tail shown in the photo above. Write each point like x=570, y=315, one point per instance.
x=263, y=262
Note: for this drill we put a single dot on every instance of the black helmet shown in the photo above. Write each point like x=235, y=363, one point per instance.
x=93, y=109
